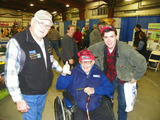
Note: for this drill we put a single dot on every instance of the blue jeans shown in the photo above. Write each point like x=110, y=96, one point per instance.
x=55, y=46
x=36, y=104
x=122, y=115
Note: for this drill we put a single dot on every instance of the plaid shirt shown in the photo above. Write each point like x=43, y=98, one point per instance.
x=111, y=71
x=12, y=69
x=110, y=61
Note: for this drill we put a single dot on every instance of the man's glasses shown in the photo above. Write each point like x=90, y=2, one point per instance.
x=43, y=25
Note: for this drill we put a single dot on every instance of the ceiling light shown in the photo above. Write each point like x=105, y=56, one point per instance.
x=31, y=4
x=54, y=12
x=67, y=5
x=41, y=0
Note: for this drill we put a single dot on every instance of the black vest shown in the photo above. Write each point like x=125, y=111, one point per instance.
x=34, y=77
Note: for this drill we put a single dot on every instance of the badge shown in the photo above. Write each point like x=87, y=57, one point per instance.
x=34, y=55
x=96, y=76
x=38, y=55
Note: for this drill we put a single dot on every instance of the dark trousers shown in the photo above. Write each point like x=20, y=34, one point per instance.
x=55, y=46
x=98, y=114
x=79, y=45
x=85, y=44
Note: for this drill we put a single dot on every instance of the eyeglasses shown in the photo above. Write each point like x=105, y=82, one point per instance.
x=85, y=62
x=43, y=25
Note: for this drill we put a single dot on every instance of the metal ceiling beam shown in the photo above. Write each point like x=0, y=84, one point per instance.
x=73, y=3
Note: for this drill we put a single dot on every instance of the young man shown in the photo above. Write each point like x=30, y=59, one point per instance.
x=69, y=47
x=28, y=68
x=88, y=77
x=120, y=63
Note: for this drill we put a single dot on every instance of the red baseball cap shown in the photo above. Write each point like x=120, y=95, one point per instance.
x=85, y=55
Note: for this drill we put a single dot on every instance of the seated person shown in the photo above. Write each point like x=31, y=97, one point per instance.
x=88, y=77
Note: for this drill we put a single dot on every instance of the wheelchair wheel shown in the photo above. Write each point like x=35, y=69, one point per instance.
x=68, y=114
x=58, y=109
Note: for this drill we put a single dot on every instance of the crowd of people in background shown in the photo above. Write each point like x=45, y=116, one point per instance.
x=84, y=37
x=74, y=40
x=9, y=32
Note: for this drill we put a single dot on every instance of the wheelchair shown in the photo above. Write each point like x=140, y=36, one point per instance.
x=64, y=108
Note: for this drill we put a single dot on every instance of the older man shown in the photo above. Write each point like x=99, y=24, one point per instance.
x=28, y=68
x=88, y=77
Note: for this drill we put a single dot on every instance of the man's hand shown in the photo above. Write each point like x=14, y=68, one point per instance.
x=133, y=81
x=89, y=90
x=22, y=106
x=71, y=61
x=66, y=69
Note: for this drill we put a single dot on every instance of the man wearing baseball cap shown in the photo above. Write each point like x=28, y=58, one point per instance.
x=95, y=35
x=28, y=68
x=120, y=63
x=86, y=82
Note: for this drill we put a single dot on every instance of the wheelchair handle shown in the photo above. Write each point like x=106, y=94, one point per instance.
x=79, y=89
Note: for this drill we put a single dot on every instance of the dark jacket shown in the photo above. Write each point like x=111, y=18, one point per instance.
x=86, y=35
x=69, y=48
x=136, y=38
x=34, y=77
x=79, y=79
x=95, y=36
x=142, y=47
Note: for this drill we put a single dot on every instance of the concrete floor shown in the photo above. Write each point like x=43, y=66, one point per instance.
x=147, y=106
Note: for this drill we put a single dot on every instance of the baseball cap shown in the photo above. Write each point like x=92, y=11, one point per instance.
x=85, y=55
x=43, y=15
x=108, y=27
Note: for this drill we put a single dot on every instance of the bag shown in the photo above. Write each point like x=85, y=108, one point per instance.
x=130, y=91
